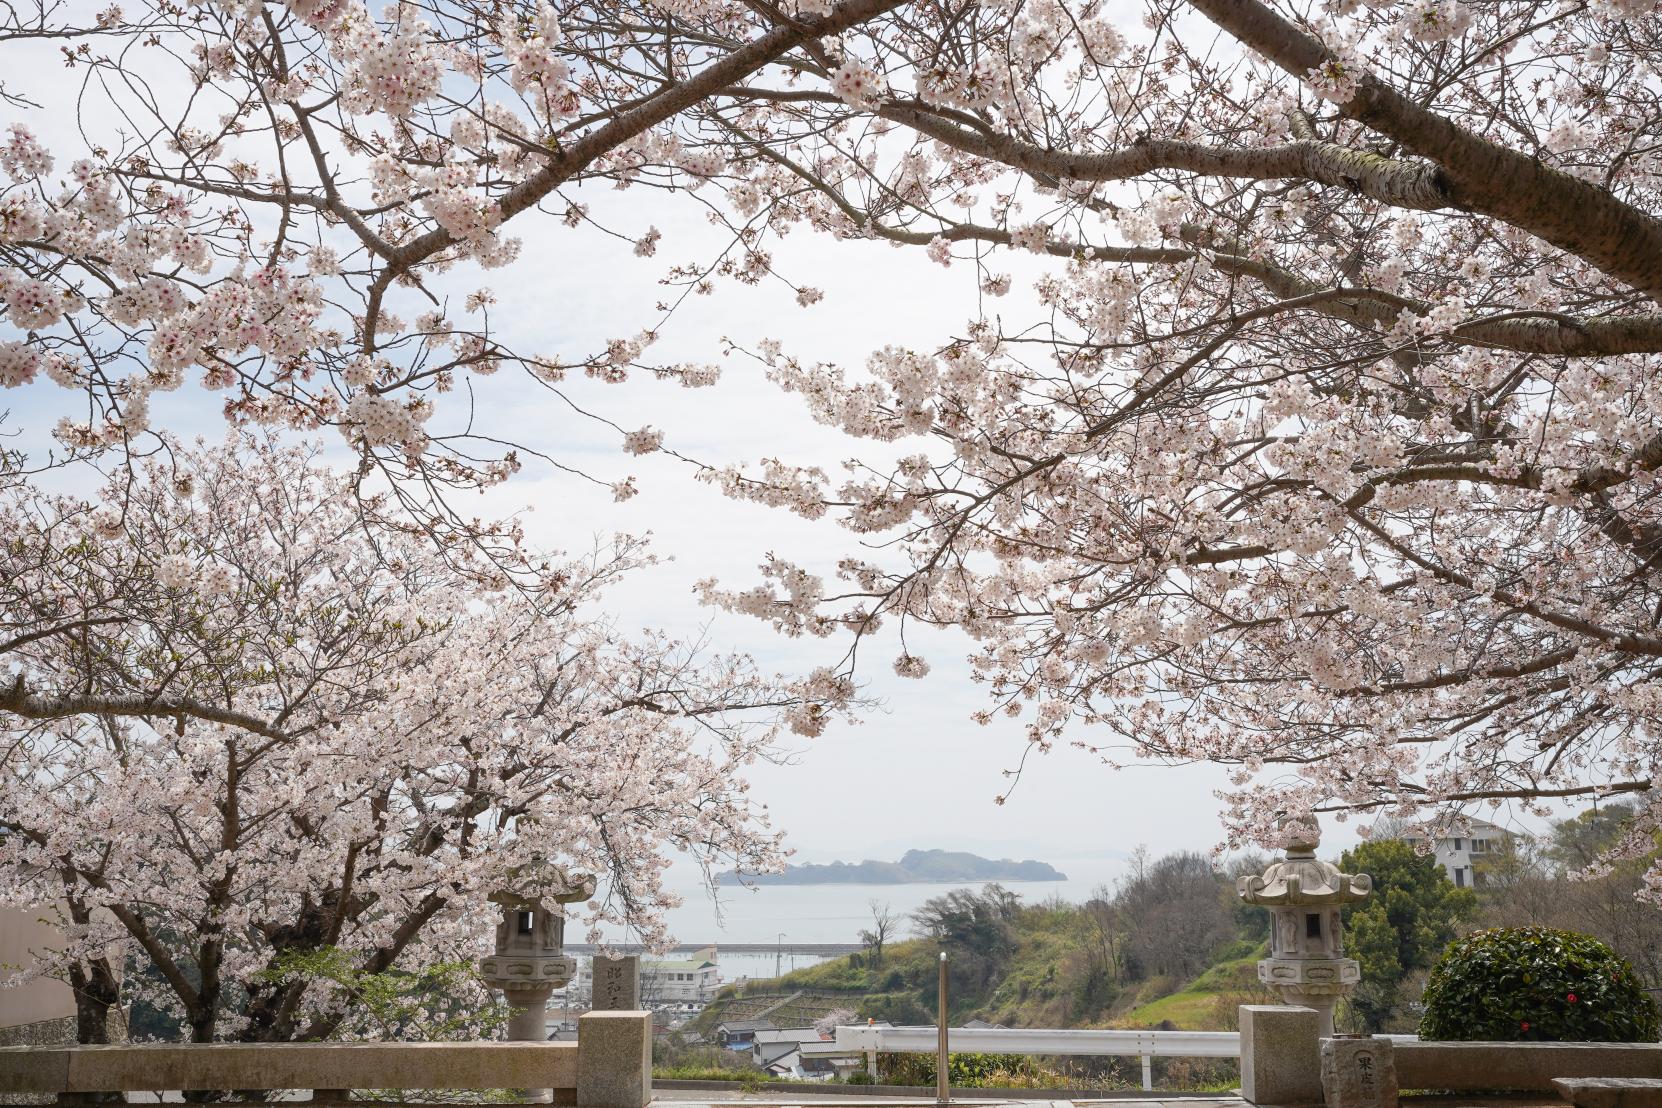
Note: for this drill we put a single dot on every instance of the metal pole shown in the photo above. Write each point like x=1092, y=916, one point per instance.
x=942, y=1097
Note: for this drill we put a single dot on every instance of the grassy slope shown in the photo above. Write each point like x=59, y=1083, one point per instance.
x=1041, y=988
x=1201, y=1004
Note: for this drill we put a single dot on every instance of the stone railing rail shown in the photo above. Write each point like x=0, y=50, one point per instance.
x=1281, y=1060
x=1001, y=1040
x=1280, y=1054
x=610, y=1066
x=1523, y=1067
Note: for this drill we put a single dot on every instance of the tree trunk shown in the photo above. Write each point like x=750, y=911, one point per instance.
x=94, y=985
x=96, y=992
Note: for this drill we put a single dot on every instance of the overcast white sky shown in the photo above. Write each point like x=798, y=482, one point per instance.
x=918, y=772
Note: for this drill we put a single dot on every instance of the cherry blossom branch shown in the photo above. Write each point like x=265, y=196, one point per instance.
x=18, y=700
x=1474, y=173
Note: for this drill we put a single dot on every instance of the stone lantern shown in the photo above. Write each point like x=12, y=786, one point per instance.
x=530, y=962
x=1306, y=965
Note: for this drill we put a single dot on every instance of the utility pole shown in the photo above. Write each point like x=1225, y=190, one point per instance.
x=778, y=951
x=942, y=1096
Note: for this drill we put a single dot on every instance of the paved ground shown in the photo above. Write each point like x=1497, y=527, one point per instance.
x=681, y=1098
x=689, y=1097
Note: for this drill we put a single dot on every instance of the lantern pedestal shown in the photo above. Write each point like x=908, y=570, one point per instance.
x=529, y=1021
x=1312, y=983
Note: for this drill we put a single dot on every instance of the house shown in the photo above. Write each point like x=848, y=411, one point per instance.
x=691, y=980
x=1462, y=857
x=815, y=1059
x=825, y=1060
x=787, y=1035
x=769, y=1046
x=41, y=1010
x=741, y=1034
x=781, y=1059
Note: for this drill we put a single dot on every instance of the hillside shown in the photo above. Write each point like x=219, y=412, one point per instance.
x=1044, y=966
x=914, y=867
x=1036, y=993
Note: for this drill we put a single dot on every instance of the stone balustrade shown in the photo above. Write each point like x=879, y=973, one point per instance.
x=1282, y=1049
x=1525, y=1067
x=610, y=1066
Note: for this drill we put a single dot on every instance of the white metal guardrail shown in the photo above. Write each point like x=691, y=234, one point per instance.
x=999, y=1040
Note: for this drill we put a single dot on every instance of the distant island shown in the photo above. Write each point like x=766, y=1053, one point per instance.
x=915, y=867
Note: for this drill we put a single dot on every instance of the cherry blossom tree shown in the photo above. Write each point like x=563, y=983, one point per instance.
x=1326, y=451
x=240, y=726
x=1332, y=455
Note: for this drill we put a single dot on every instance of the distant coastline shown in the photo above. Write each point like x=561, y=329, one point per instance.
x=915, y=867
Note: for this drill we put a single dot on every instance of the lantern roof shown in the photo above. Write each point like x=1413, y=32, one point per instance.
x=535, y=883
x=1301, y=879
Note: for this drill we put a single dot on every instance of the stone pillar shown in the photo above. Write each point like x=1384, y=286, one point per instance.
x=1280, y=1055
x=614, y=1059
x=1320, y=1003
x=528, y=1022
x=1359, y=1072
x=616, y=983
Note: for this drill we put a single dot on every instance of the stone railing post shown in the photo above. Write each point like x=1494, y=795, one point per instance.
x=614, y=1059
x=1280, y=1055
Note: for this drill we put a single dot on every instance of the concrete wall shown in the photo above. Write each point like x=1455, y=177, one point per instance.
x=41, y=999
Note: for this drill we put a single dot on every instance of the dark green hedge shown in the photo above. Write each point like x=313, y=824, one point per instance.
x=1535, y=983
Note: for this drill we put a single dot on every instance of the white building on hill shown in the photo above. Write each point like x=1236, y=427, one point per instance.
x=691, y=980
x=1462, y=857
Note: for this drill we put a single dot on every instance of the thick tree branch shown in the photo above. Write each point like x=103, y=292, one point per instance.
x=18, y=700
x=1477, y=175
x=1401, y=184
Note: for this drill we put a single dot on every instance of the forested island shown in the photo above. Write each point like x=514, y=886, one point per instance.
x=915, y=867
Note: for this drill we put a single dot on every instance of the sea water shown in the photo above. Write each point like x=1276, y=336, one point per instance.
x=781, y=916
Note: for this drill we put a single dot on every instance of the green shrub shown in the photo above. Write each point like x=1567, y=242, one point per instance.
x=1512, y=984
x=859, y=1077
